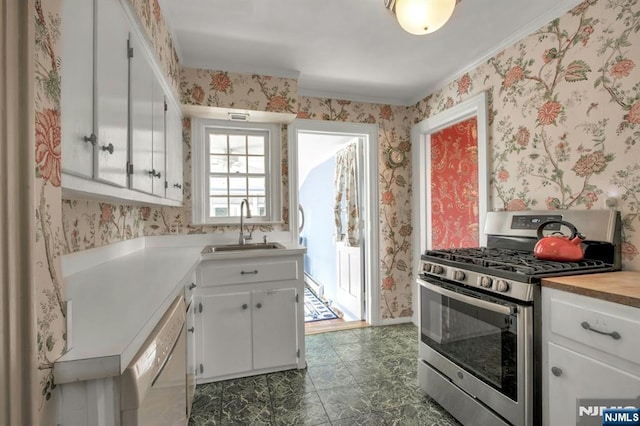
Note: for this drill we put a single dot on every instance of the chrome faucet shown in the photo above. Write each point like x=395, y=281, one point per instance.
x=242, y=239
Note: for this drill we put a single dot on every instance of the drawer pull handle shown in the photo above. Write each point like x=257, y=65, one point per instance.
x=245, y=306
x=614, y=334
x=254, y=272
x=556, y=371
x=191, y=330
x=107, y=148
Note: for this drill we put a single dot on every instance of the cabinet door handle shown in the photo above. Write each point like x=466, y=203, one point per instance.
x=192, y=286
x=191, y=330
x=93, y=139
x=556, y=371
x=259, y=305
x=177, y=185
x=614, y=334
x=108, y=148
x=254, y=272
x=153, y=173
x=245, y=306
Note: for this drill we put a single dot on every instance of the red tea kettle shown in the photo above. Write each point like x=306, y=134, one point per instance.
x=557, y=246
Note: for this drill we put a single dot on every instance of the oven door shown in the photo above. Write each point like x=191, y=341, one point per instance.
x=482, y=344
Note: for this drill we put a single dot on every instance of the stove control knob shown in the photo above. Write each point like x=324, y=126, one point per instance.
x=502, y=286
x=459, y=275
x=437, y=269
x=485, y=281
x=426, y=267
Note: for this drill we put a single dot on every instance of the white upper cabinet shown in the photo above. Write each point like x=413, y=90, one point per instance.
x=141, y=119
x=173, y=141
x=77, y=82
x=114, y=97
x=158, y=109
x=112, y=91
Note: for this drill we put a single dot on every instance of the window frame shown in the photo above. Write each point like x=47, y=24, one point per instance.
x=200, y=202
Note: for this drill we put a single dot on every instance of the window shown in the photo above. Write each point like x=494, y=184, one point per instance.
x=233, y=162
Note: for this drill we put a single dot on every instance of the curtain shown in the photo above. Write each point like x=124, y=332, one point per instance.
x=347, y=195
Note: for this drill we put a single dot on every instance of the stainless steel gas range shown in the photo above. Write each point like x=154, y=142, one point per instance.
x=479, y=310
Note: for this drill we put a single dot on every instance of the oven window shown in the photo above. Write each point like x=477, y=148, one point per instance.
x=481, y=341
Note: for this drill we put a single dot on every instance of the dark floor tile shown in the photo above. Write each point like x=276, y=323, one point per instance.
x=365, y=419
x=345, y=402
x=290, y=382
x=389, y=394
x=237, y=410
x=331, y=376
x=322, y=356
x=363, y=350
x=369, y=370
x=207, y=405
x=250, y=388
x=301, y=409
x=315, y=341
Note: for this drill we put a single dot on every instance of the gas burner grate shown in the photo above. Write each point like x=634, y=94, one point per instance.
x=519, y=262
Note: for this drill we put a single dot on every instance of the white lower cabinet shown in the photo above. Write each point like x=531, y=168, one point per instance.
x=591, y=356
x=249, y=327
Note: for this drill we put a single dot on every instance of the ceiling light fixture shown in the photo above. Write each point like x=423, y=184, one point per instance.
x=421, y=16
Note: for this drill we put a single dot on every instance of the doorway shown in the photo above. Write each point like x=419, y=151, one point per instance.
x=330, y=167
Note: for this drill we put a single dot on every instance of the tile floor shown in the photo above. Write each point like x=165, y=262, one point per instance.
x=364, y=376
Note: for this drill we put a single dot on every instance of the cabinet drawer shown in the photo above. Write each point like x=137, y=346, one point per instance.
x=573, y=376
x=215, y=273
x=599, y=325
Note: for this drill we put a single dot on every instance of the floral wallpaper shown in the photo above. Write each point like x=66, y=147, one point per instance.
x=454, y=186
x=150, y=16
x=564, y=115
x=49, y=293
x=240, y=91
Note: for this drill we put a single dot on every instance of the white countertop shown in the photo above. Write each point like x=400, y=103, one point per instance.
x=119, y=293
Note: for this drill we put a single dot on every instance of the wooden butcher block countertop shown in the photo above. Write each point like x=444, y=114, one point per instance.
x=619, y=287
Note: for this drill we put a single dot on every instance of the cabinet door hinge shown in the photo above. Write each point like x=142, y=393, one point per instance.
x=199, y=307
x=165, y=105
x=298, y=353
x=166, y=184
x=201, y=368
x=297, y=298
x=129, y=168
x=129, y=49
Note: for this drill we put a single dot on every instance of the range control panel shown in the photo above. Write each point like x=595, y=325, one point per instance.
x=532, y=222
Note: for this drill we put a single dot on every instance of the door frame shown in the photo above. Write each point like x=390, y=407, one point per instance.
x=421, y=158
x=371, y=219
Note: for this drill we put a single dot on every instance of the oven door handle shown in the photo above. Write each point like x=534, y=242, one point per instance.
x=484, y=304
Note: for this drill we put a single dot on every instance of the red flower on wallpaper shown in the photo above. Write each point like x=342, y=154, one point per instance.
x=277, y=103
x=516, y=205
x=463, y=84
x=388, y=283
x=548, y=55
x=629, y=251
x=197, y=94
x=220, y=82
x=48, y=149
x=387, y=198
x=633, y=116
x=156, y=10
x=589, y=164
x=515, y=74
x=303, y=114
x=522, y=137
x=405, y=230
x=622, y=68
x=106, y=213
x=503, y=175
x=385, y=112
x=145, y=213
x=548, y=112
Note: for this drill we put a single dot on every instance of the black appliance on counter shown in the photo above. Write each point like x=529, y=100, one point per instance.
x=479, y=309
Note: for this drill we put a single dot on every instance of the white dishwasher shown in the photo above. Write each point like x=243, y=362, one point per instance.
x=153, y=387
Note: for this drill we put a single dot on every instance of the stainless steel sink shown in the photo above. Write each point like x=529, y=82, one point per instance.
x=241, y=247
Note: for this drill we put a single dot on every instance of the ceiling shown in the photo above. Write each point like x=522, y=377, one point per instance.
x=348, y=49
